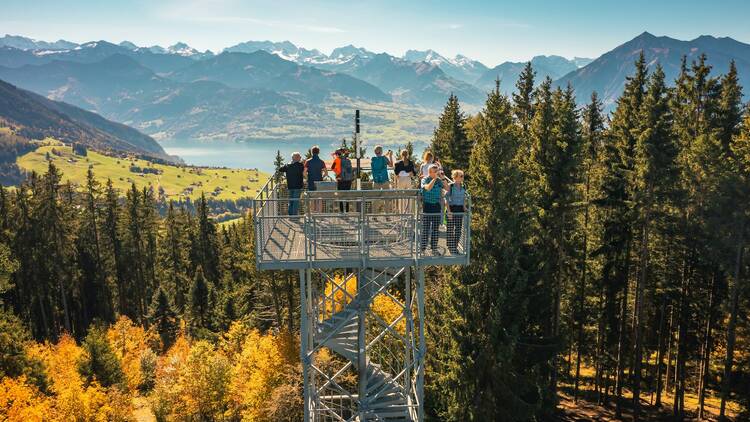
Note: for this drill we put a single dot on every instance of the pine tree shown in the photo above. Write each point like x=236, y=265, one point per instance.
x=654, y=176
x=199, y=300
x=173, y=257
x=592, y=133
x=100, y=362
x=729, y=107
x=278, y=162
x=481, y=371
x=449, y=141
x=523, y=98
x=133, y=256
x=163, y=319
x=205, y=242
x=696, y=123
x=97, y=301
x=617, y=225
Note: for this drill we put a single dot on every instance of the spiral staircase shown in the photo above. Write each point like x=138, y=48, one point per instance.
x=382, y=396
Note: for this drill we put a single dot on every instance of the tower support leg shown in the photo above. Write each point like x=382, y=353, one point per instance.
x=422, y=348
x=305, y=325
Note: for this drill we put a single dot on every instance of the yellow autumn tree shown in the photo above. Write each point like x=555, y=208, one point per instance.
x=344, y=290
x=131, y=343
x=265, y=376
x=192, y=382
x=74, y=399
x=22, y=402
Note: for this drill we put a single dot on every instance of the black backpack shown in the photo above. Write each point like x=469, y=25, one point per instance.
x=347, y=171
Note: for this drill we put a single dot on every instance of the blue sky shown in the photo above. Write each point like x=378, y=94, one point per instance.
x=491, y=31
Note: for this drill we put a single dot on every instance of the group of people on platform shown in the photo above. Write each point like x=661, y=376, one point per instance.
x=438, y=192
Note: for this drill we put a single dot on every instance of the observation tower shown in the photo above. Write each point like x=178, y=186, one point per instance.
x=362, y=282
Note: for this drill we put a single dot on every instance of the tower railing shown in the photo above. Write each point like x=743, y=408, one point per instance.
x=344, y=229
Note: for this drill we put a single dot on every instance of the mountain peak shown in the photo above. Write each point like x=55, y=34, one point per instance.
x=129, y=45
x=645, y=35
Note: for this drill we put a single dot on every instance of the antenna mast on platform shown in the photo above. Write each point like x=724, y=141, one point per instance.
x=356, y=140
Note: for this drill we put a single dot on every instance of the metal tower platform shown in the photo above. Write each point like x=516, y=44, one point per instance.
x=361, y=256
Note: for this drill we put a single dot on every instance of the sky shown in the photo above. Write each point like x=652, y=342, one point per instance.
x=490, y=31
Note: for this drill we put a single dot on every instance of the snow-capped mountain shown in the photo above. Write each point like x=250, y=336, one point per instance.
x=183, y=49
x=349, y=52
x=284, y=49
x=30, y=44
x=178, y=49
x=460, y=67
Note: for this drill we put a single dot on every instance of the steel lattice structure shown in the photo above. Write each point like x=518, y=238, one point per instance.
x=361, y=286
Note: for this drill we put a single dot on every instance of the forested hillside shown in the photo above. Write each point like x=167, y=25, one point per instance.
x=36, y=117
x=608, y=268
x=608, y=254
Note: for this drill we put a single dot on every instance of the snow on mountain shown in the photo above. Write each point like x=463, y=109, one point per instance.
x=348, y=52
x=30, y=44
x=460, y=67
x=182, y=49
x=284, y=49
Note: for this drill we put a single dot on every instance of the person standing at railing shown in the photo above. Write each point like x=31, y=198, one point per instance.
x=380, y=164
x=404, y=171
x=294, y=172
x=455, y=204
x=315, y=170
x=342, y=166
x=432, y=193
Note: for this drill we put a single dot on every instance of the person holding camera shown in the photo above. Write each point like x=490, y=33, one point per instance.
x=432, y=194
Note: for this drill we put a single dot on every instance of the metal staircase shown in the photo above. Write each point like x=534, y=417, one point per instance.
x=346, y=324
x=385, y=398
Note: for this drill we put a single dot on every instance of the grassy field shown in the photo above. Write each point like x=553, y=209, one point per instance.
x=175, y=182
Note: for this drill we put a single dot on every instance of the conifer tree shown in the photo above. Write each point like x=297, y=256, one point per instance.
x=523, y=98
x=112, y=244
x=481, y=370
x=163, y=319
x=97, y=301
x=652, y=180
x=740, y=181
x=449, y=141
x=199, y=299
x=99, y=362
x=617, y=225
x=592, y=134
x=173, y=254
x=205, y=242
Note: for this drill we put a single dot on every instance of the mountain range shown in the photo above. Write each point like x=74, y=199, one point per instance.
x=264, y=89
x=606, y=75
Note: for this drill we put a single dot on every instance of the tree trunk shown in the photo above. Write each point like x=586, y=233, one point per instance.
x=290, y=302
x=640, y=286
x=706, y=358
x=670, y=340
x=582, y=296
x=276, y=304
x=621, y=352
x=660, y=352
x=732, y=325
x=679, y=386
